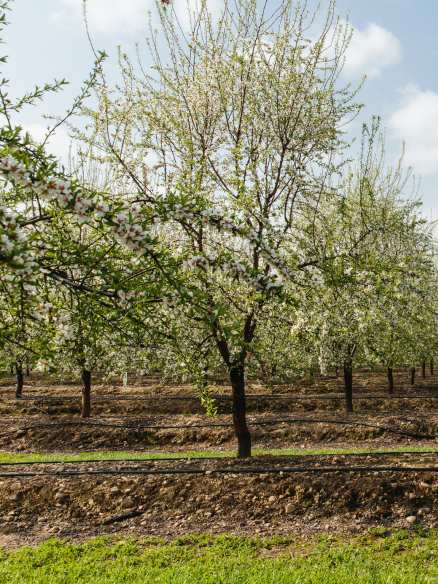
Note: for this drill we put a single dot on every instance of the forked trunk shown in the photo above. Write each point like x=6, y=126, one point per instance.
x=86, y=393
x=19, y=389
x=348, y=381
x=423, y=369
x=390, y=381
x=412, y=375
x=431, y=367
x=243, y=434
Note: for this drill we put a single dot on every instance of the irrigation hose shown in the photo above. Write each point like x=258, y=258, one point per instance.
x=323, y=470
x=218, y=398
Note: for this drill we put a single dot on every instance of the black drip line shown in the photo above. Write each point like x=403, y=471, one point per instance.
x=209, y=472
x=218, y=398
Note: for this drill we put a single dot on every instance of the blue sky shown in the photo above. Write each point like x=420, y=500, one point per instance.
x=395, y=44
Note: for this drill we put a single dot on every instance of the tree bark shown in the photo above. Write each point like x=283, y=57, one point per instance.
x=348, y=382
x=423, y=369
x=431, y=367
x=412, y=375
x=237, y=378
x=86, y=393
x=390, y=381
x=19, y=389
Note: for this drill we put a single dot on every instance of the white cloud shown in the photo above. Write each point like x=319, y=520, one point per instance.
x=105, y=16
x=124, y=16
x=372, y=50
x=184, y=7
x=416, y=121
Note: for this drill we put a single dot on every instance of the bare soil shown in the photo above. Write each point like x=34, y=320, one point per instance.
x=68, y=433
x=149, y=396
x=33, y=509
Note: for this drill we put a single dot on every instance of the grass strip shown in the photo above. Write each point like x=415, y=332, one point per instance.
x=329, y=451
x=377, y=558
x=114, y=455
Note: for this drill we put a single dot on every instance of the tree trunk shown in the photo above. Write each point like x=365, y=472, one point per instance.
x=348, y=381
x=423, y=369
x=390, y=381
x=12, y=369
x=86, y=393
x=237, y=379
x=19, y=389
x=431, y=367
x=412, y=375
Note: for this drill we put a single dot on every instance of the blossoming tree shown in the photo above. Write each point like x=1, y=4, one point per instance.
x=224, y=145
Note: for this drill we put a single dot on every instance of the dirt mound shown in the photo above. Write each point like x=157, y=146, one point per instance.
x=95, y=500
x=53, y=434
x=190, y=404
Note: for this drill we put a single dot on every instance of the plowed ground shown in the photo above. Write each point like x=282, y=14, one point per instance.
x=33, y=509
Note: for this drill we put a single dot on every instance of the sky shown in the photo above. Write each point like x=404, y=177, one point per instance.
x=395, y=44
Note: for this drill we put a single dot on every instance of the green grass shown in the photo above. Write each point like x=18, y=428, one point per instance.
x=375, y=558
x=90, y=456
x=288, y=451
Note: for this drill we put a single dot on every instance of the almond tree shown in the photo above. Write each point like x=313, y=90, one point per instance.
x=223, y=145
